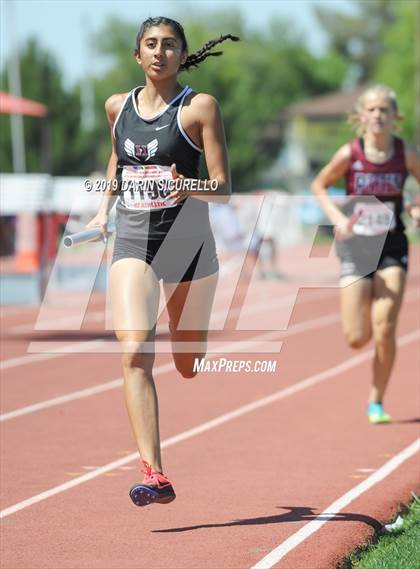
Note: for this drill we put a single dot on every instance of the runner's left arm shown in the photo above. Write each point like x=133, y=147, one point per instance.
x=212, y=134
x=412, y=159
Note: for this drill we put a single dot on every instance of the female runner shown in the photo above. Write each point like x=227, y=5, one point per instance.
x=371, y=242
x=159, y=132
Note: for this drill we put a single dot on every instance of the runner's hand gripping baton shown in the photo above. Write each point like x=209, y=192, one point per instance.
x=92, y=234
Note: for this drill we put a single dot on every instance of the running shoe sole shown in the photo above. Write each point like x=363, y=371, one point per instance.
x=144, y=495
x=379, y=419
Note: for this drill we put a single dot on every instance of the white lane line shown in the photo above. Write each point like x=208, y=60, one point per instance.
x=226, y=348
x=92, y=344
x=161, y=329
x=207, y=426
x=88, y=345
x=81, y=394
x=57, y=323
x=9, y=310
x=101, y=315
x=62, y=351
x=333, y=509
x=5, y=311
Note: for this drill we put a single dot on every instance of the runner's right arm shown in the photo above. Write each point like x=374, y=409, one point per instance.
x=112, y=107
x=331, y=173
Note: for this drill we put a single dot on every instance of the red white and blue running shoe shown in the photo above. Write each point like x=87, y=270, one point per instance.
x=155, y=488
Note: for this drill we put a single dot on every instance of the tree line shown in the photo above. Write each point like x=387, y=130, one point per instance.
x=267, y=71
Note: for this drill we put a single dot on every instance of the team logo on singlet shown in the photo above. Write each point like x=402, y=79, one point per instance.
x=358, y=165
x=141, y=152
x=377, y=184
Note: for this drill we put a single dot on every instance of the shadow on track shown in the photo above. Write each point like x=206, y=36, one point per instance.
x=295, y=514
x=404, y=421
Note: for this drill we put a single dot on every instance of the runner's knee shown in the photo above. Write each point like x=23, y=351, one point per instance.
x=357, y=341
x=187, y=365
x=384, y=332
x=136, y=353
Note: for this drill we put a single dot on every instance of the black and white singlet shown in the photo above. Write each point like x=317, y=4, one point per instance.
x=146, y=148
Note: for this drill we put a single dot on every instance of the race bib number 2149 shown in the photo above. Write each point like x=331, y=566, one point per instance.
x=375, y=218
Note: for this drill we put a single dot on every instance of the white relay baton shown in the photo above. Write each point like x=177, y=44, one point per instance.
x=86, y=236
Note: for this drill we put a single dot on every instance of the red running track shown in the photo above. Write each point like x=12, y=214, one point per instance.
x=246, y=483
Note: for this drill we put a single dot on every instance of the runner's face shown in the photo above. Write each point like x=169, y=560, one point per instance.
x=160, y=52
x=378, y=115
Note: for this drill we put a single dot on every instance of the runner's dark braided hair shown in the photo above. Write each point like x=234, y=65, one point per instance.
x=194, y=59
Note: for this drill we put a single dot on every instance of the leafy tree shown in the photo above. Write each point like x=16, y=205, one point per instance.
x=252, y=81
x=398, y=66
x=42, y=81
x=358, y=37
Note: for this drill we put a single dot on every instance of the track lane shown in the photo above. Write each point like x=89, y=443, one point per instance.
x=17, y=391
x=19, y=395
x=72, y=420
x=205, y=520
x=224, y=513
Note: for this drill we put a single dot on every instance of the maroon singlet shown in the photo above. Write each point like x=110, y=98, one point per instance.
x=366, y=181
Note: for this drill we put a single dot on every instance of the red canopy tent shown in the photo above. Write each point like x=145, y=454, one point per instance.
x=28, y=255
x=9, y=104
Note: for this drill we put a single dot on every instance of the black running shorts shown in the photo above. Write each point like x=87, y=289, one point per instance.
x=363, y=256
x=172, y=260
